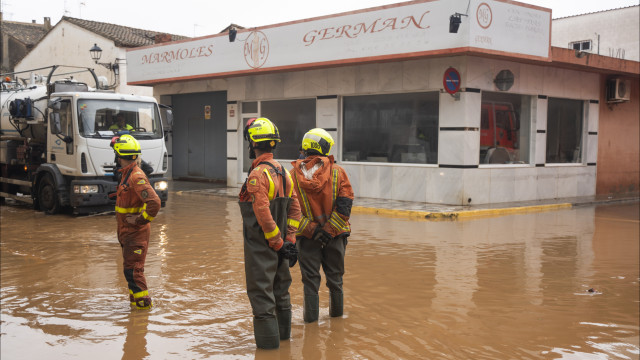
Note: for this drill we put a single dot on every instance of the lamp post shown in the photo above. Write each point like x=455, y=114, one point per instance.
x=96, y=54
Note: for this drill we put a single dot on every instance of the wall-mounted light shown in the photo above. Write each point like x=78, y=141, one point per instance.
x=454, y=22
x=96, y=54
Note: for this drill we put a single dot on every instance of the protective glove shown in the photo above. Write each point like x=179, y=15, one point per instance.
x=322, y=236
x=131, y=219
x=290, y=252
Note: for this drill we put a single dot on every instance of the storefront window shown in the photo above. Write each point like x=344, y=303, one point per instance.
x=504, y=128
x=293, y=119
x=564, y=131
x=398, y=128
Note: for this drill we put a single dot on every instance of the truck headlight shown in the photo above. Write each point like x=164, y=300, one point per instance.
x=161, y=185
x=85, y=189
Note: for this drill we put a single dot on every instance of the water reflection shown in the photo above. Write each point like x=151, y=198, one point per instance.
x=500, y=288
x=135, y=343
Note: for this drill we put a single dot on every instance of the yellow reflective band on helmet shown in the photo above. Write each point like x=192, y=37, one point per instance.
x=304, y=222
x=293, y=222
x=271, y=234
x=271, y=185
x=147, y=217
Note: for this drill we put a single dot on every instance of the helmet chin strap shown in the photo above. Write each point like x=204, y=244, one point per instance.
x=252, y=151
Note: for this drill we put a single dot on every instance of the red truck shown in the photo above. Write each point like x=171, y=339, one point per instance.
x=499, y=133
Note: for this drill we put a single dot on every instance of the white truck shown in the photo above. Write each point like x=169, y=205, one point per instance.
x=55, y=142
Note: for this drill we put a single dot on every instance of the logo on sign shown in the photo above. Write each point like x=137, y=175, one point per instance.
x=484, y=15
x=256, y=49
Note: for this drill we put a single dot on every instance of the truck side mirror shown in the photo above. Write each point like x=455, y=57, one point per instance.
x=54, y=120
x=170, y=117
x=54, y=104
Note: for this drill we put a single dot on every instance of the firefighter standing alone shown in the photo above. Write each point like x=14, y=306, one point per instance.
x=136, y=206
x=326, y=198
x=270, y=217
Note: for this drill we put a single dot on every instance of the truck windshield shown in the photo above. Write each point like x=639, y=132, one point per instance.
x=104, y=118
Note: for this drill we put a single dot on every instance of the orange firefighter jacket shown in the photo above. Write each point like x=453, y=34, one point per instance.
x=263, y=185
x=325, y=195
x=135, y=196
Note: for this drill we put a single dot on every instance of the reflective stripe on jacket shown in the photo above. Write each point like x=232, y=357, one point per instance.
x=263, y=185
x=325, y=197
x=135, y=196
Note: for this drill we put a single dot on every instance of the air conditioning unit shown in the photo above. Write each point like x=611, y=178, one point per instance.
x=618, y=90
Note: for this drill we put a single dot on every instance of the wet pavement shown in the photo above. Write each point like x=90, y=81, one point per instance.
x=508, y=287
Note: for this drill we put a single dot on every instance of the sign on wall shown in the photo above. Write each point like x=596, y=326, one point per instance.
x=400, y=31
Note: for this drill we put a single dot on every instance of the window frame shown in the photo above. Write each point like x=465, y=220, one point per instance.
x=341, y=131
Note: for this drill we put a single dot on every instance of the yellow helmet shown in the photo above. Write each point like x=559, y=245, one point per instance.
x=126, y=146
x=317, y=141
x=261, y=129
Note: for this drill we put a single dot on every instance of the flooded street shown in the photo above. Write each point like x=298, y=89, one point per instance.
x=510, y=287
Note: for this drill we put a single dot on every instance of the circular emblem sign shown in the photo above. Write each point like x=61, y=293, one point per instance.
x=451, y=81
x=484, y=15
x=256, y=49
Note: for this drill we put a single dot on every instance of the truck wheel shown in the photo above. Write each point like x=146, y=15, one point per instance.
x=47, y=196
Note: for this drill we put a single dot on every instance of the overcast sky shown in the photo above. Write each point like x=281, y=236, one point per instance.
x=199, y=17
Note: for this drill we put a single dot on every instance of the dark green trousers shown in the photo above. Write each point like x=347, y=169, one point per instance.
x=312, y=256
x=267, y=276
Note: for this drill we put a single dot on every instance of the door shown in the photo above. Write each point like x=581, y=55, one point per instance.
x=200, y=136
x=61, y=153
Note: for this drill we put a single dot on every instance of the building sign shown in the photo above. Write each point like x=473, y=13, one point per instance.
x=400, y=31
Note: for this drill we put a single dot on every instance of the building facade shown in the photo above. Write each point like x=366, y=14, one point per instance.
x=489, y=113
x=69, y=42
x=613, y=33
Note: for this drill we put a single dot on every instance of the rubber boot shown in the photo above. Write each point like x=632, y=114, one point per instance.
x=311, y=305
x=266, y=333
x=284, y=324
x=142, y=300
x=131, y=299
x=335, y=304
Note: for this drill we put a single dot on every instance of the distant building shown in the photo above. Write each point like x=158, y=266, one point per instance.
x=17, y=39
x=614, y=33
x=69, y=41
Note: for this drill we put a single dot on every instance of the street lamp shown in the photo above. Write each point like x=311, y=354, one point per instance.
x=96, y=54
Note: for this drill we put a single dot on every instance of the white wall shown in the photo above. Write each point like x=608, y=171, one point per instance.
x=618, y=31
x=69, y=44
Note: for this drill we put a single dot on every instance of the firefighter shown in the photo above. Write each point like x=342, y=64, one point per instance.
x=136, y=206
x=270, y=216
x=325, y=196
x=120, y=124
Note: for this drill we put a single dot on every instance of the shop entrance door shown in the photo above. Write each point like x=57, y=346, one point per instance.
x=200, y=136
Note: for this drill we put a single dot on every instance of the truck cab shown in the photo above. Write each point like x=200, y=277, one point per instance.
x=499, y=133
x=55, y=144
x=78, y=143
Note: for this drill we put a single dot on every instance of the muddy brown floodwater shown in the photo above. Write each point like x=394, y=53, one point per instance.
x=510, y=287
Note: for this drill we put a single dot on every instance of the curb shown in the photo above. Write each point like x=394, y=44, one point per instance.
x=455, y=215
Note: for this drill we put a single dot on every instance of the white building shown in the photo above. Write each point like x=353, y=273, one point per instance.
x=69, y=42
x=490, y=113
x=614, y=33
